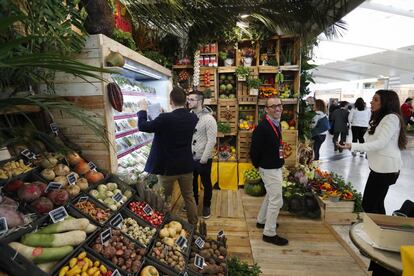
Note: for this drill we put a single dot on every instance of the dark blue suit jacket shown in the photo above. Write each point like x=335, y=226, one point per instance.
x=171, y=149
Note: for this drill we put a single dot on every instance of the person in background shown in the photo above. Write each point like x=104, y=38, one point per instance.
x=319, y=126
x=204, y=139
x=359, y=120
x=384, y=141
x=407, y=111
x=332, y=107
x=170, y=157
x=340, y=124
x=266, y=152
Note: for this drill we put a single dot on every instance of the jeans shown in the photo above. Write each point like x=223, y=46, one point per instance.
x=358, y=134
x=185, y=183
x=376, y=190
x=272, y=202
x=204, y=170
x=317, y=143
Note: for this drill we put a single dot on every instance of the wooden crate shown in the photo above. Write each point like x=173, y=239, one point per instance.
x=243, y=145
x=212, y=84
x=228, y=106
x=341, y=212
x=243, y=94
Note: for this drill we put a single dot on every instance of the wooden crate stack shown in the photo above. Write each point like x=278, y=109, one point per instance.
x=243, y=145
x=228, y=113
x=208, y=80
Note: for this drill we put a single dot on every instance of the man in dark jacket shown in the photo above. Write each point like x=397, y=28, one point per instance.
x=341, y=125
x=266, y=153
x=170, y=156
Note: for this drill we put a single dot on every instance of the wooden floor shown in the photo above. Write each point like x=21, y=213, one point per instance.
x=314, y=248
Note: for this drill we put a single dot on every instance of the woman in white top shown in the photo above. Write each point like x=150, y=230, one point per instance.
x=384, y=141
x=359, y=120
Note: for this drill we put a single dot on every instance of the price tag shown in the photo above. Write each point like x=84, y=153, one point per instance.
x=106, y=236
x=181, y=242
x=53, y=186
x=147, y=209
x=3, y=225
x=220, y=234
x=82, y=199
x=199, y=261
x=28, y=154
x=116, y=273
x=118, y=197
x=200, y=242
x=58, y=214
x=117, y=221
x=71, y=178
x=184, y=273
x=54, y=128
x=92, y=166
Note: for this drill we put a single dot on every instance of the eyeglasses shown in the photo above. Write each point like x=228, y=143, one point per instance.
x=274, y=106
x=192, y=100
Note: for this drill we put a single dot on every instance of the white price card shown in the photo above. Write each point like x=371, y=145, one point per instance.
x=58, y=214
x=199, y=261
x=106, y=236
x=199, y=242
x=181, y=242
x=3, y=225
x=117, y=221
x=71, y=178
x=53, y=186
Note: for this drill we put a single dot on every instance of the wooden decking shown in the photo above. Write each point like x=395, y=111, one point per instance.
x=314, y=248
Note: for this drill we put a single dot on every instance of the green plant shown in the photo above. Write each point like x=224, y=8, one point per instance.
x=254, y=83
x=236, y=267
x=124, y=38
x=207, y=93
x=287, y=54
x=223, y=55
x=223, y=127
x=272, y=62
x=158, y=58
x=242, y=72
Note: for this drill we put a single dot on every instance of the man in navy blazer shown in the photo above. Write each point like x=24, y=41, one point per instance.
x=170, y=157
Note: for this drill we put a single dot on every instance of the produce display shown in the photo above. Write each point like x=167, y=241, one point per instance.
x=155, y=218
x=105, y=193
x=120, y=251
x=53, y=242
x=14, y=168
x=227, y=86
x=170, y=233
x=143, y=234
x=85, y=264
x=149, y=270
x=168, y=255
x=252, y=175
x=214, y=254
x=14, y=218
x=91, y=209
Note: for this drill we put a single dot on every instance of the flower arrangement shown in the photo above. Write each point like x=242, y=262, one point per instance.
x=267, y=92
x=248, y=52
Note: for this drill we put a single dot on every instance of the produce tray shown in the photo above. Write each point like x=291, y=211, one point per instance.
x=123, y=272
x=121, y=186
x=187, y=226
x=16, y=264
x=126, y=213
x=162, y=270
x=20, y=176
x=164, y=267
x=41, y=222
x=97, y=204
x=138, y=199
x=75, y=253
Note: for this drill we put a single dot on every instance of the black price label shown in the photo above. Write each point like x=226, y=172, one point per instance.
x=28, y=154
x=58, y=214
x=117, y=221
x=3, y=225
x=106, y=236
x=200, y=242
x=54, y=128
x=116, y=273
x=92, y=166
x=220, y=234
x=53, y=186
x=184, y=273
x=118, y=197
x=199, y=261
x=181, y=242
x=71, y=178
x=147, y=209
x=82, y=199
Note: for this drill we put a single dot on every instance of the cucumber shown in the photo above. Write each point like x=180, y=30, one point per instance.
x=54, y=240
x=66, y=225
x=41, y=255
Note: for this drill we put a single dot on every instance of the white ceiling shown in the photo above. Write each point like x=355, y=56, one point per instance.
x=379, y=43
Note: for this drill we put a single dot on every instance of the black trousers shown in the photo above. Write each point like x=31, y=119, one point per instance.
x=204, y=170
x=373, y=202
x=358, y=134
x=317, y=143
x=341, y=141
x=376, y=190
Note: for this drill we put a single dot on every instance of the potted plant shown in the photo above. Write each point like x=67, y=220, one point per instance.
x=242, y=73
x=248, y=55
x=254, y=84
x=287, y=56
x=227, y=56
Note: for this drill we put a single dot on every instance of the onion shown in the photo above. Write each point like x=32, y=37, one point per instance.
x=82, y=167
x=94, y=177
x=61, y=170
x=74, y=158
